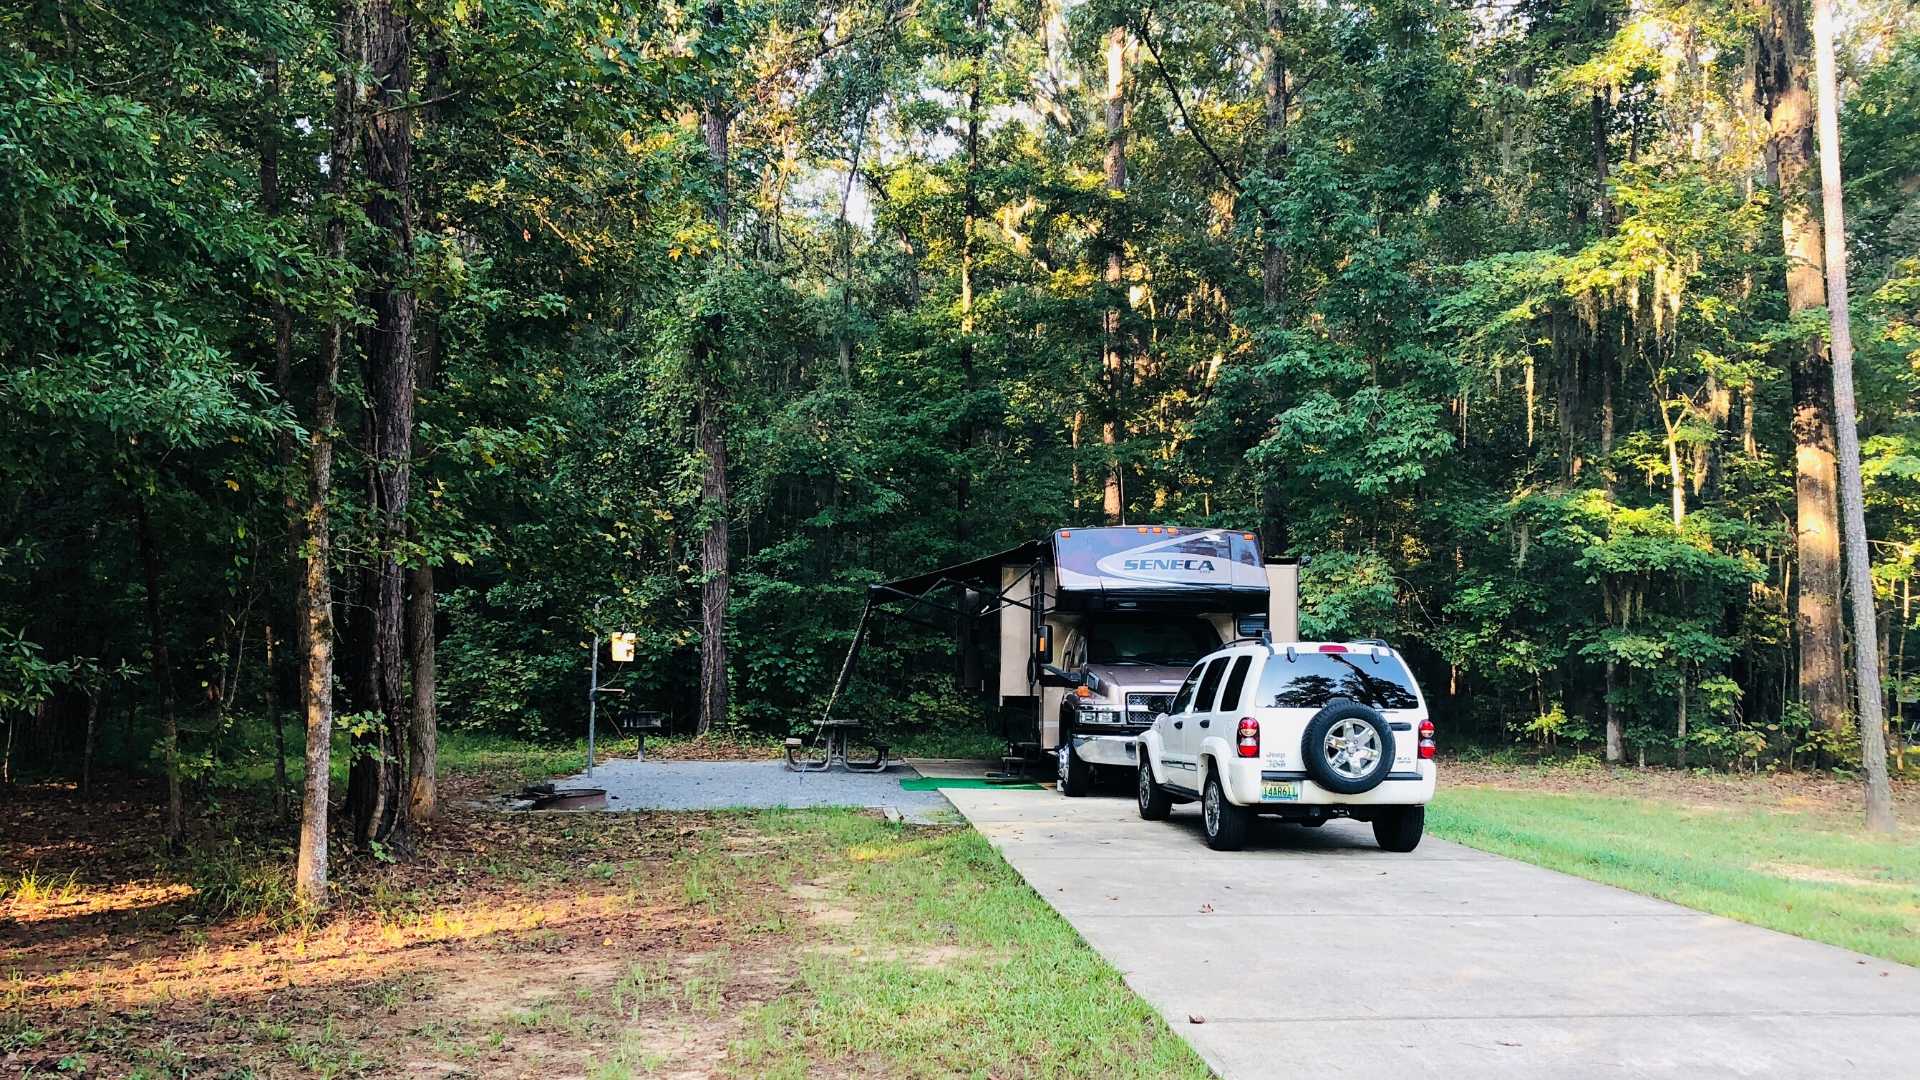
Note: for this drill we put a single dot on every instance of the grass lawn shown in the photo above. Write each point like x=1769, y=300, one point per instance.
x=776, y=944
x=1784, y=853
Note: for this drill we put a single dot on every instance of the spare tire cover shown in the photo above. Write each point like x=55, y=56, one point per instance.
x=1361, y=755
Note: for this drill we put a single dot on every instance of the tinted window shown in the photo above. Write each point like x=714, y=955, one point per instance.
x=1159, y=641
x=1236, y=682
x=1310, y=680
x=1209, y=686
x=1185, y=696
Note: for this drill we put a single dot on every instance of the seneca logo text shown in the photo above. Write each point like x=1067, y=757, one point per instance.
x=1204, y=566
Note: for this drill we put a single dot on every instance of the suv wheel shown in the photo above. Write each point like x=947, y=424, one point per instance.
x=1154, y=801
x=1399, y=829
x=1225, y=824
x=1075, y=775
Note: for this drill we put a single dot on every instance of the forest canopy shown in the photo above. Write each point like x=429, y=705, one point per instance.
x=694, y=319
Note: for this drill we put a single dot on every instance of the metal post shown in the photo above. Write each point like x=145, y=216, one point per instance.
x=593, y=697
x=593, y=684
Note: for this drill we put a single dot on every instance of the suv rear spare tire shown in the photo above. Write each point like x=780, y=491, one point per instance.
x=1347, y=747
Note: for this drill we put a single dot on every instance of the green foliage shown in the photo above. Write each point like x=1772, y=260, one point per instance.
x=1486, y=373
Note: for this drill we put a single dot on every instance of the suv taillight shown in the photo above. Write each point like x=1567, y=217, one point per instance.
x=1426, y=740
x=1247, y=742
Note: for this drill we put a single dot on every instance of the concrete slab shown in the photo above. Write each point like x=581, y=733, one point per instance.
x=1314, y=953
x=730, y=785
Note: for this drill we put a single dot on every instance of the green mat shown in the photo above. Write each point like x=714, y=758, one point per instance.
x=931, y=783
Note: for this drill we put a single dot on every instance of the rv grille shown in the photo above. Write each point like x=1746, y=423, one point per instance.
x=1144, y=707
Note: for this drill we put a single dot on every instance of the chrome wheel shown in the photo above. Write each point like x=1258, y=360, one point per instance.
x=1352, y=748
x=1210, y=809
x=1146, y=782
x=1062, y=763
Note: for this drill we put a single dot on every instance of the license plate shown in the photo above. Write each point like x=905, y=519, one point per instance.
x=1280, y=790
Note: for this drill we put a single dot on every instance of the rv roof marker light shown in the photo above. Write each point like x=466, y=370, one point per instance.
x=1246, y=536
x=1333, y=648
x=1143, y=529
x=1065, y=533
x=1157, y=530
x=1082, y=691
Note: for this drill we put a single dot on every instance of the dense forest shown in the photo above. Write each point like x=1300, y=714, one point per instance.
x=360, y=360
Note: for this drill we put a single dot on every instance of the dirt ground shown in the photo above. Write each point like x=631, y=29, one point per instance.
x=504, y=946
x=498, y=945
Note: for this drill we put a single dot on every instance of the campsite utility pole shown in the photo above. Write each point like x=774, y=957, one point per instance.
x=1866, y=649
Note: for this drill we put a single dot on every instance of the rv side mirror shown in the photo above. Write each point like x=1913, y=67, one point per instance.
x=1043, y=643
x=1053, y=676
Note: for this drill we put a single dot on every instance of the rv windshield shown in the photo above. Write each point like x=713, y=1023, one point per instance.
x=1157, y=641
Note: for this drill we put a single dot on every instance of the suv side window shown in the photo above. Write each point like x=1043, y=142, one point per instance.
x=1185, y=697
x=1236, y=683
x=1209, y=686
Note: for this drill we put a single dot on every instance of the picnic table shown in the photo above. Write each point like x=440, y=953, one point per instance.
x=829, y=747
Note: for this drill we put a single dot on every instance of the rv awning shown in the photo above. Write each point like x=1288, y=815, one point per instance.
x=985, y=569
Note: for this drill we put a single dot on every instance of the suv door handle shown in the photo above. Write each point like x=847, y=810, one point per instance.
x=1179, y=723
x=1204, y=723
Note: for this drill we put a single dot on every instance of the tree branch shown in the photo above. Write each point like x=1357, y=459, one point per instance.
x=1146, y=37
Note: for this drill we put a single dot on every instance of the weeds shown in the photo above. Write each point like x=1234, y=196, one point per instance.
x=35, y=887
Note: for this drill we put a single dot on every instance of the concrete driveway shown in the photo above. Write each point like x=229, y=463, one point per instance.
x=1314, y=954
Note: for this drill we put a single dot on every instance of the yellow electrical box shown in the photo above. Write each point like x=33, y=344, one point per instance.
x=621, y=645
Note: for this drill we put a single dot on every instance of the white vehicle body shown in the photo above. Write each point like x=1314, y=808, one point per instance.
x=1240, y=721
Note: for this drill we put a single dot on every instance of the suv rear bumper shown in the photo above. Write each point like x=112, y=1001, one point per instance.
x=1245, y=783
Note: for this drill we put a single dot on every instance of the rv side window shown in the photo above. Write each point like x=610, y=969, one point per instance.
x=1236, y=682
x=1185, y=697
x=1209, y=686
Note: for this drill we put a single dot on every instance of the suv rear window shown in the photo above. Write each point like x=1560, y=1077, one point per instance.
x=1311, y=679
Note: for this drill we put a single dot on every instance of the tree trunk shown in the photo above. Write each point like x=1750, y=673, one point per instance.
x=423, y=731
x=92, y=741
x=162, y=675
x=1616, y=745
x=1112, y=359
x=1680, y=722
x=279, y=731
x=1601, y=110
x=1866, y=653
x=285, y=450
x=423, y=741
x=375, y=779
x=1273, y=61
x=1607, y=362
x=1676, y=481
x=715, y=542
x=969, y=216
x=310, y=873
x=1781, y=84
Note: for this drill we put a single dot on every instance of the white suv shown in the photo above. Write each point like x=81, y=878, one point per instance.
x=1305, y=731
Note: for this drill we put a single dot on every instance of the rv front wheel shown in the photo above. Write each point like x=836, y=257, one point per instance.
x=1075, y=775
